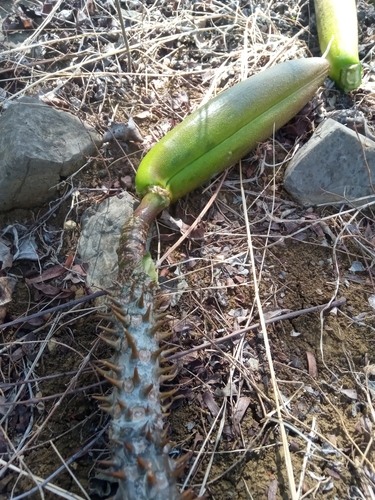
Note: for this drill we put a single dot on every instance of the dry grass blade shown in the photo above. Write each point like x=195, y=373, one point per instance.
x=217, y=440
x=305, y=460
x=85, y=495
x=278, y=399
x=125, y=37
x=59, y=492
x=202, y=450
x=195, y=223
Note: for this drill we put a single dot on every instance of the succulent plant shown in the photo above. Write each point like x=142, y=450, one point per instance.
x=207, y=142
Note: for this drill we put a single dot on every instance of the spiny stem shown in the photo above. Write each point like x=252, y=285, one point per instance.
x=133, y=238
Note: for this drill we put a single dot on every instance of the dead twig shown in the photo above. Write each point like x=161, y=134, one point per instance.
x=275, y=319
x=60, y=307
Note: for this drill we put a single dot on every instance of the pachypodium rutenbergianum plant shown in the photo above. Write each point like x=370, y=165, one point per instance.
x=211, y=139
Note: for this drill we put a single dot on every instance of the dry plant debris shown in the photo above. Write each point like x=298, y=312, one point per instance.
x=293, y=394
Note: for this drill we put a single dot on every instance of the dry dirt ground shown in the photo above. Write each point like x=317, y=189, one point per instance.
x=253, y=238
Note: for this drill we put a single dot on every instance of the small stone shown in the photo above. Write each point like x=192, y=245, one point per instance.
x=99, y=240
x=69, y=225
x=333, y=167
x=40, y=146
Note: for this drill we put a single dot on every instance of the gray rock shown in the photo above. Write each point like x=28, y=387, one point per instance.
x=39, y=145
x=331, y=168
x=99, y=240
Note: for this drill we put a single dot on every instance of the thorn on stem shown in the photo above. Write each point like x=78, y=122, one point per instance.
x=115, y=344
x=133, y=347
x=168, y=394
x=116, y=369
x=136, y=377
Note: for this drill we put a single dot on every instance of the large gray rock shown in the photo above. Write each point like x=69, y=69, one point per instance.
x=333, y=167
x=39, y=145
x=100, y=238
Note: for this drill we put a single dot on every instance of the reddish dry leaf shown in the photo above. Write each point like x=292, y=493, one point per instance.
x=311, y=216
x=197, y=233
x=333, y=473
x=17, y=355
x=291, y=226
x=48, y=274
x=198, y=439
x=35, y=321
x=332, y=438
x=52, y=291
x=211, y=403
x=240, y=409
x=240, y=279
x=55, y=101
x=229, y=282
x=229, y=269
x=294, y=446
x=311, y=363
x=76, y=275
x=26, y=23
x=272, y=490
x=217, y=218
x=69, y=260
x=78, y=269
x=318, y=230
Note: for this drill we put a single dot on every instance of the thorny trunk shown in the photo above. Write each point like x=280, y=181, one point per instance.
x=140, y=460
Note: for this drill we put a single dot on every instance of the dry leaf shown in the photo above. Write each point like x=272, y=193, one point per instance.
x=272, y=490
x=311, y=363
x=350, y=393
x=48, y=274
x=52, y=291
x=211, y=403
x=240, y=409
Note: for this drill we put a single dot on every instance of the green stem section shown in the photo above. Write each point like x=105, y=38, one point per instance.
x=338, y=32
x=133, y=239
